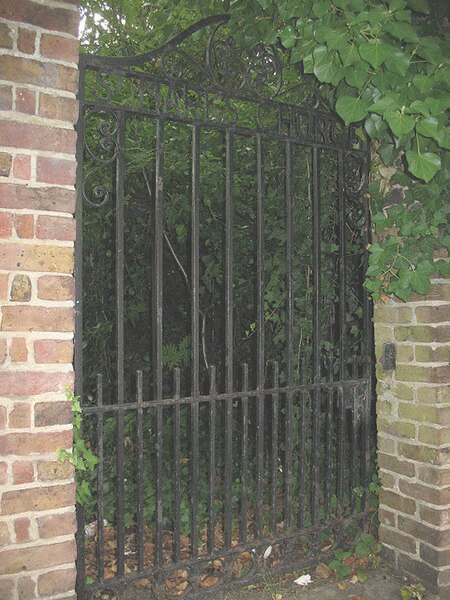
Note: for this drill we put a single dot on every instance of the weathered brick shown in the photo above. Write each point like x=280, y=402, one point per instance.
x=405, y=353
x=433, y=314
x=52, y=413
x=37, y=318
x=437, y=394
x=53, y=351
x=20, y=289
x=5, y=538
x=20, y=416
x=388, y=480
x=54, y=470
x=36, y=258
x=25, y=103
x=419, y=453
x=423, y=532
x=399, y=429
x=403, y=391
x=392, y=314
x=418, y=569
x=434, y=436
x=422, y=374
x=26, y=41
x=6, y=36
x=34, y=72
x=33, y=382
x=3, y=286
x=5, y=165
x=55, y=107
x=55, y=228
x=392, y=463
x=3, y=355
x=424, y=413
x=385, y=444
x=397, y=502
x=60, y=48
x=7, y=589
x=422, y=333
x=6, y=97
x=397, y=539
x=5, y=225
x=56, y=582
x=52, y=526
x=3, y=472
x=18, y=350
x=435, y=516
x=428, y=354
x=22, y=529
x=25, y=444
x=55, y=170
x=40, y=15
x=36, y=499
x=23, y=471
x=37, y=137
x=387, y=517
x=54, y=287
x=31, y=559
x=434, y=476
x=26, y=588
x=22, y=167
x=42, y=198
x=427, y=494
x=24, y=226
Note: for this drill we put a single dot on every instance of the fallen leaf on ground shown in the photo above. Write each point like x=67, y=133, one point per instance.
x=303, y=580
x=323, y=571
x=342, y=585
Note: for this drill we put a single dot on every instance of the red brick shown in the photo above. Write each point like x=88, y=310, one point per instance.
x=4, y=535
x=56, y=170
x=56, y=287
x=25, y=103
x=37, y=137
x=18, y=350
x=5, y=225
x=6, y=97
x=22, y=529
x=37, y=318
x=57, y=582
x=26, y=588
x=54, y=470
x=52, y=413
x=31, y=559
x=60, y=108
x=53, y=351
x=3, y=472
x=20, y=416
x=23, y=472
x=54, y=525
x=28, y=383
x=7, y=589
x=22, y=167
x=3, y=286
x=42, y=198
x=24, y=225
x=36, y=258
x=48, y=75
x=36, y=499
x=40, y=15
x=425, y=493
x=59, y=48
x=55, y=228
x=26, y=41
x=25, y=444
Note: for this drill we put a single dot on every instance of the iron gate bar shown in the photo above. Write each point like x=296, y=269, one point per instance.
x=100, y=479
x=244, y=453
x=140, y=468
x=177, y=469
x=212, y=462
x=342, y=267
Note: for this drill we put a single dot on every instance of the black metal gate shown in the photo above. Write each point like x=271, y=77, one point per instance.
x=223, y=346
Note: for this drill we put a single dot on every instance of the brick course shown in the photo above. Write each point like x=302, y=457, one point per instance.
x=38, y=83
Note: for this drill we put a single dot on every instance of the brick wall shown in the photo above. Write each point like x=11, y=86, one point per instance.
x=38, y=81
x=414, y=435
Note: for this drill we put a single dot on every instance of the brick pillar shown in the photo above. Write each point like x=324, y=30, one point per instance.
x=38, y=109
x=414, y=435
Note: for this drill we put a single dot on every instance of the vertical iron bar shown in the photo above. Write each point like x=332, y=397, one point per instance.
x=158, y=332
x=177, y=468
x=120, y=340
x=342, y=268
x=260, y=364
x=244, y=456
x=289, y=338
x=140, y=533
x=341, y=449
x=352, y=443
x=228, y=335
x=212, y=461
x=195, y=334
x=274, y=457
x=316, y=336
x=302, y=447
x=100, y=483
x=329, y=442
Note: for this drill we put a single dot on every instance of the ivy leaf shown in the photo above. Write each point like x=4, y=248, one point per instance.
x=320, y=9
x=420, y=6
x=325, y=67
x=418, y=106
x=356, y=77
x=419, y=283
x=444, y=138
x=349, y=55
x=423, y=83
x=423, y=166
x=400, y=123
x=428, y=127
x=404, y=32
x=375, y=52
x=288, y=36
x=351, y=109
x=386, y=104
x=398, y=63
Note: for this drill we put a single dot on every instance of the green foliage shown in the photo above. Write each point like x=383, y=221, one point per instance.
x=412, y=591
x=81, y=456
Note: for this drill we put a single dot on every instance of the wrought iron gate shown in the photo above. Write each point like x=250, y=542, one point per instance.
x=223, y=335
